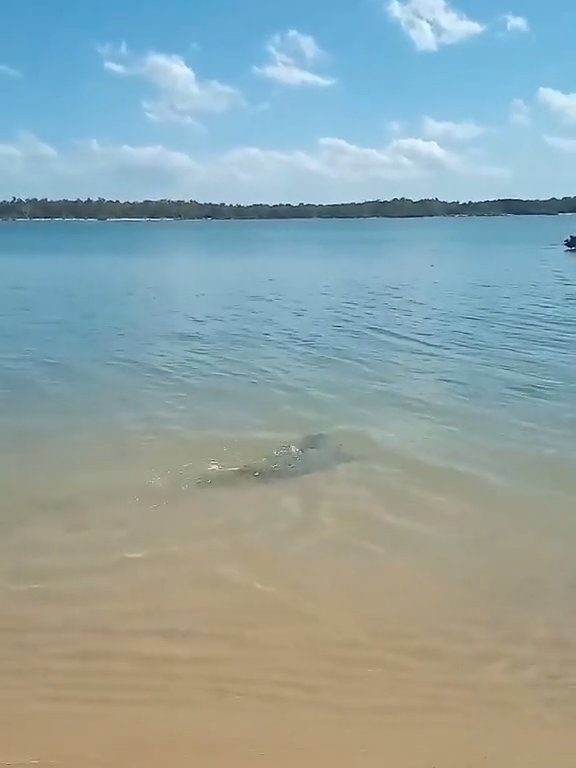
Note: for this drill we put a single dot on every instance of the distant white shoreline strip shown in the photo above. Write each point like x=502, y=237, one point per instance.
x=200, y=219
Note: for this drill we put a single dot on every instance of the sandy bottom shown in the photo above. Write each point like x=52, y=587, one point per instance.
x=410, y=619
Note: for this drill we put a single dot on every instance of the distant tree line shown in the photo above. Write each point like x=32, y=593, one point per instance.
x=34, y=208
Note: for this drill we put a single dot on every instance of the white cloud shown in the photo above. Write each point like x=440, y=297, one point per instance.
x=516, y=23
x=335, y=159
x=520, y=112
x=9, y=71
x=330, y=170
x=293, y=57
x=27, y=166
x=401, y=157
x=180, y=94
x=562, y=143
x=433, y=23
x=89, y=168
x=125, y=157
x=562, y=104
x=27, y=147
x=444, y=129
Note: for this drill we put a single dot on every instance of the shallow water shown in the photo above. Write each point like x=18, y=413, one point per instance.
x=415, y=605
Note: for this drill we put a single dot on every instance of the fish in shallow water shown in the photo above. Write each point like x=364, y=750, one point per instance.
x=314, y=453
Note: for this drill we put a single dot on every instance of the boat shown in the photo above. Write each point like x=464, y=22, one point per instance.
x=570, y=243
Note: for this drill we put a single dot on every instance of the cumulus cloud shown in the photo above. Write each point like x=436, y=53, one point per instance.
x=293, y=57
x=124, y=157
x=27, y=148
x=179, y=94
x=433, y=23
x=448, y=131
x=520, y=112
x=9, y=71
x=336, y=160
x=516, y=23
x=331, y=169
x=26, y=163
x=399, y=158
x=29, y=167
x=561, y=104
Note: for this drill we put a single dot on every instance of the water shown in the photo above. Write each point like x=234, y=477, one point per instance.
x=425, y=588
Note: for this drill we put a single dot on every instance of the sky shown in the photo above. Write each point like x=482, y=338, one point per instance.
x=300, y=101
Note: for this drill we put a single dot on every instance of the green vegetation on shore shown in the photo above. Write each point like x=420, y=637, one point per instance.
x=35, y=208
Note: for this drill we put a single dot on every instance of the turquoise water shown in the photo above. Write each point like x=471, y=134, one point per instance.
x=453, y=340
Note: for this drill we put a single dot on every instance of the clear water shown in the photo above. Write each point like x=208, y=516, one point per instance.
x=442, y=353
x=452, y=340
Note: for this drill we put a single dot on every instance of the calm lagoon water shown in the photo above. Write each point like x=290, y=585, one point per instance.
x=428, y=587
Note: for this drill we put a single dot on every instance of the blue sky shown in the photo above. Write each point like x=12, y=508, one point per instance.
x=269, y=101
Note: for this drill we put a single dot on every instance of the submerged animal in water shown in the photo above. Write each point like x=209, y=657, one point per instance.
x=314, y=453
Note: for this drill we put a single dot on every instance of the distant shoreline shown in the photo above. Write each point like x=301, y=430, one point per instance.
x=136, y=220
x=34, y=209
